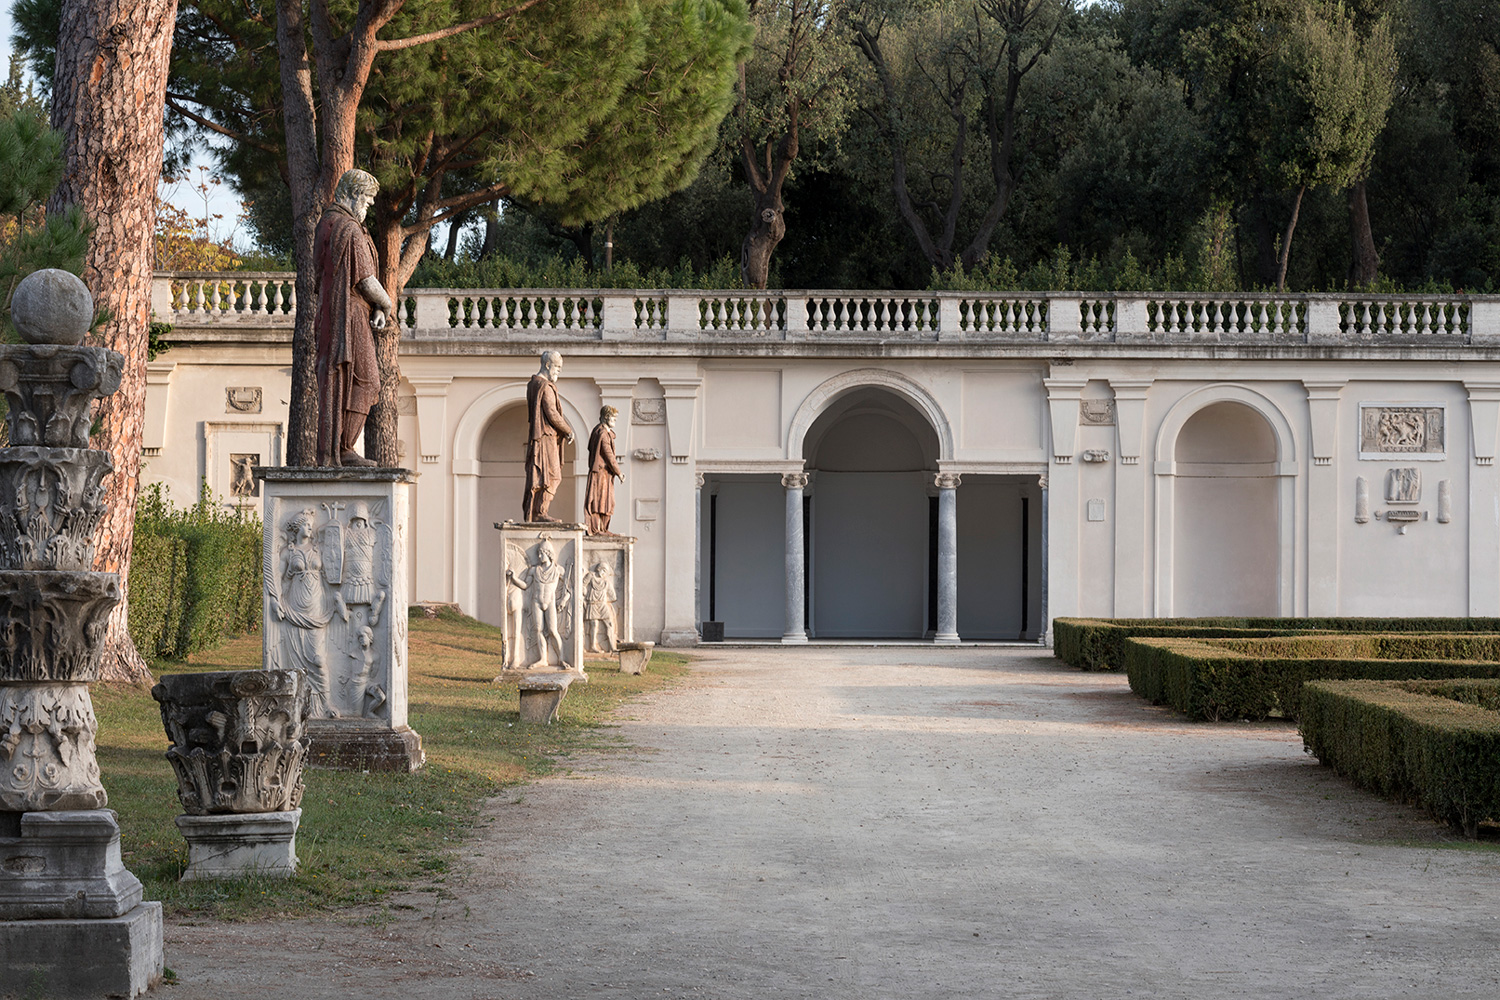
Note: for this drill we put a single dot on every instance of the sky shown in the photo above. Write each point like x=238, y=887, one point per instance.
x=222, y=201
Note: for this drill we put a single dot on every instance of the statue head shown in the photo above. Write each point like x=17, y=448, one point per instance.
x=544, y=554
x=603, y=568
x=359, y=511
x=607, y=416
x=356, y=191
x=301, y=525
x=551, y=365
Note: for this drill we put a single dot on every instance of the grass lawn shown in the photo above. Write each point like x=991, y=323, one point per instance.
x=362, y=836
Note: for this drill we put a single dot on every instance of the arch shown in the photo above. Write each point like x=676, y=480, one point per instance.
x=467, y=435
x=1226, y=392
x=839, y=385
x=1168, y=472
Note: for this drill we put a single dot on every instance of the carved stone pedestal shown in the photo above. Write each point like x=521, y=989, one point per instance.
x=542, y=579
x=634, y=656
x=335, y=608
x=233, y=845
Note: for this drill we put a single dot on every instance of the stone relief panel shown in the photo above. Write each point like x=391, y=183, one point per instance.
x=1416, y=431
x=242, y=399
x=606, y=593
x=1096, y=412
x=648, y=411
x=326, y=591
x=541, y=602
x=1403, y=486
x=241, y=475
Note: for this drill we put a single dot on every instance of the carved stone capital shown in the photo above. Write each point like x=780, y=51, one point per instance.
x=50, y=391
x=1042, y=481
x=51, y=500
x=698, y=480
x=52, y=623
x=238, y=739
x=47, y=748
x=947, y=480
x=794, y=480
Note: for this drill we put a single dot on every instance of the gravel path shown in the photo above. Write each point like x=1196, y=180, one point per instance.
x=914, y=823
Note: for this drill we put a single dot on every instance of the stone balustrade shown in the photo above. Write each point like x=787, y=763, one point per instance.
x=258, y=300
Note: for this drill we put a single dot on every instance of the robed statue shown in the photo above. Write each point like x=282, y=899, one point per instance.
x=604, y=469
x=548, y=432
x=351, y=304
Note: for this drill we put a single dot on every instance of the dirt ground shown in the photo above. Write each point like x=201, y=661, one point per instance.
x=913, y=823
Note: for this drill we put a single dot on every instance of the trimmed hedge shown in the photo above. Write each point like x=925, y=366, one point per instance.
x=195, y=575
x=1099, y=643
x=1436, y=744
x=1215, y=679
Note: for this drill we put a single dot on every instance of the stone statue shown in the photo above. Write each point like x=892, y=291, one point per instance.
x=350, y=302
x=599, y=608
x=300, y=600
x=604, y=468
x=541, y=582
x=549, y=430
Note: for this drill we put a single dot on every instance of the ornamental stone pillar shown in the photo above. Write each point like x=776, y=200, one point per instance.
x=796, y=545
x=947, y=558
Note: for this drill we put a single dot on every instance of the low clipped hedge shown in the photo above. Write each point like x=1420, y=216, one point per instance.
x=1241, y=678
x=1099, y=643
x=1433, y=743
x=195, y=575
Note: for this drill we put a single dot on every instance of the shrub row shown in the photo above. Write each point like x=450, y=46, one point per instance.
x=195, y=575
x=1216, y=679
x=1436, y=744
x=1099, y=643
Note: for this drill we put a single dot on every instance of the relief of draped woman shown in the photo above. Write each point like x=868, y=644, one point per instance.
x=303, y=605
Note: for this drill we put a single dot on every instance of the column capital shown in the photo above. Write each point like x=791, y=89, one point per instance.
x=698, y=480
x=794, y=480
x=1042, y=480
x=947, y=480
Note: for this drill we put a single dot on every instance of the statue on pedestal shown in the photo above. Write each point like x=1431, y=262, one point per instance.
x=604, y=469
x=549, y=430
x=351, y=301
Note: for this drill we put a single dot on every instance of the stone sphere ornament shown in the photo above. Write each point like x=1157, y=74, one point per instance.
x=52, y=306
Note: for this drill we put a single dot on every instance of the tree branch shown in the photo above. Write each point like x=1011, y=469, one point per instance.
x=239, y=137
x=394, y=44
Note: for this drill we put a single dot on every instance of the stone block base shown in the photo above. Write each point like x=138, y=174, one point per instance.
x=634, y=656
x=63, y=959
x=61, y=865
x=679, y=637
x=232, y=845
x=542, y=691
x=363, y=745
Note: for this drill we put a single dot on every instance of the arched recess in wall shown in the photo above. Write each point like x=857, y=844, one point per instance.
x=1226, y=468
x=481, y=482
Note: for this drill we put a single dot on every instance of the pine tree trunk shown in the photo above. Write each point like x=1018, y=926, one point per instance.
x=107, y=99
x=302, y=173
x=1366, y=263
x=380, y=428
x=1286, y=240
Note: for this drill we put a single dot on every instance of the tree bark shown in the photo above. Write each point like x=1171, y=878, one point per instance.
x=1286, y=240
x=107, y=100
x=1365, y=267
x=767, y=228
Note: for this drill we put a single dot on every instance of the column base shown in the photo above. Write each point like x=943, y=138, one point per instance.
x=65, y=959
x=233, y=845
x=946, y=639
x=794, y=639
x=64, y=865
x=679, y=637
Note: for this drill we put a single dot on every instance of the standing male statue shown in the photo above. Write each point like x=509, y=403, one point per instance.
x=549, y=431
x=350, y=302
x=604, y=468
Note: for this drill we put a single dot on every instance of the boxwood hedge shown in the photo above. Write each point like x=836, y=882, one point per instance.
x=195, y=575
x=1433, y=743
x=1099, y=643
x=1252, y=678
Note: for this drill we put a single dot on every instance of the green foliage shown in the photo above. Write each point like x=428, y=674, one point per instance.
x=1436, y=744
x=198, y=571
x=1215, y=679
x=560, y=272
x=30, y=167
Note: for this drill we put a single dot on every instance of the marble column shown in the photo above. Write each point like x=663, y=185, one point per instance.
x=796, y=627
x=947, y=558
x=1044, y=633
x=698, y=546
